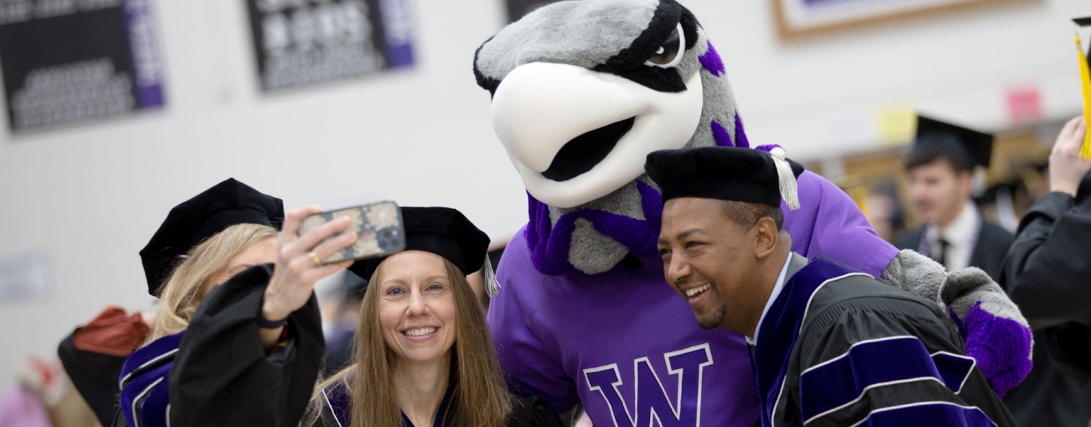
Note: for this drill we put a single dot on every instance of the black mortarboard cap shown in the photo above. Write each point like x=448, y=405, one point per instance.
x=1084, y=22
x=188, y=224
x=724, y=173
x=442, y=231
x=960, y=144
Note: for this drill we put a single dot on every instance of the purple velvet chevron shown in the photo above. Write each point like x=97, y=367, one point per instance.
x=999, y=345
x=712, y=62
x=767, y=147
x=549, y=244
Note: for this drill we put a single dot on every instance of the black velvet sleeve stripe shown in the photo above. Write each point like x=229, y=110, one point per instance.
x=886, y=396
x=940, y=371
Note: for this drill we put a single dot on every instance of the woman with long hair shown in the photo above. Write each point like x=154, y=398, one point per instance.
x=424, y=354
x=217, y=263
x=203, y=242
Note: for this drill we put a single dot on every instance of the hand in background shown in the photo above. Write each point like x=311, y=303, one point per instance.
x=1066, y=167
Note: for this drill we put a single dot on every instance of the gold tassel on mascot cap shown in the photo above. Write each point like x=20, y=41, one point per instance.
x=787, y=179
x=1085, y=79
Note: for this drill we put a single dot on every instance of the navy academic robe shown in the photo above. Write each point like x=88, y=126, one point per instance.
x=838, y=348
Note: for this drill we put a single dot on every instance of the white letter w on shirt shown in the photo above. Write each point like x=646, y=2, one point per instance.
x=653, y=406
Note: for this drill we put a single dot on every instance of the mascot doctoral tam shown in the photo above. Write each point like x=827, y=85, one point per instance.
x=582, y=92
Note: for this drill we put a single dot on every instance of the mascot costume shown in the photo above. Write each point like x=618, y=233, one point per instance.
x=582, y=92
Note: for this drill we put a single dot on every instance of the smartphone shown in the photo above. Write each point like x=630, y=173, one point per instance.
x=378, y=227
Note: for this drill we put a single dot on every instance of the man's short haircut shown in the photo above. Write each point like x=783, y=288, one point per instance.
x=923, y=156
x=746, y=214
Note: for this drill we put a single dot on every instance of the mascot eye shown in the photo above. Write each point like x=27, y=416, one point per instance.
x=670, y=53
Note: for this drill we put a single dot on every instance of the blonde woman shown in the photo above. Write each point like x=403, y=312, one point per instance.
x=203, y=242
x=424, y=353
x=217, y=263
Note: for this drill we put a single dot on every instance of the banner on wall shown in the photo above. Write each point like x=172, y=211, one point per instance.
x=517, y=9
x=26, y=277
x=70, y=61
x=301, y=43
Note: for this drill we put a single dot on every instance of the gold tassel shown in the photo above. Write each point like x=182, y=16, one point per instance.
x=1085, y=79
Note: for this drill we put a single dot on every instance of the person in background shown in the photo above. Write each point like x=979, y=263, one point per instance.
x=940, y=167
x=344, y=312
x=885, y=212
x=424, y=355
x=217, y=263
x=93, y=354
x=1046, y=272
x=831, y=346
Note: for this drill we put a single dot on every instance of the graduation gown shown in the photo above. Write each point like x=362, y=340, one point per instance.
x=991, y=245
x=95, y=377
x=1045, y=272
x=526, y=412
x=93, y=355
x=838, y=348
x=217, y=373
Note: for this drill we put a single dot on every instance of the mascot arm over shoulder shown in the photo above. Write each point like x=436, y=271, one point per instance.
x=582, y=92
x=996, y=333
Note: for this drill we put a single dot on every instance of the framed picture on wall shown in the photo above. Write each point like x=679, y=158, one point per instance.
x=796, y=18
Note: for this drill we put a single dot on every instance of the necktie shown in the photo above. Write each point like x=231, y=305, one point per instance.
x=944, y=245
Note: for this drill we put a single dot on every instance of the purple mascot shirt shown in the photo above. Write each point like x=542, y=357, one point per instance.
x=627, y=346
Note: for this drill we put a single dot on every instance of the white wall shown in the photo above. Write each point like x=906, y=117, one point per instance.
x=92, y=195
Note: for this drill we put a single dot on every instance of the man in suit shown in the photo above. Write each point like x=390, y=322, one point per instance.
x=940, y=168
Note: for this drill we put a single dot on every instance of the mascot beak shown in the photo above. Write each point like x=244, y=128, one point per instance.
x=576, y=135
x=540, y=107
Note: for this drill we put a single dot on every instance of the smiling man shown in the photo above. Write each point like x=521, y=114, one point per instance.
x=830, y=346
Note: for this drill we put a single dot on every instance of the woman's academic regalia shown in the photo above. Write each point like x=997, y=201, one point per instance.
x=216, y=372
x=526, y=412
x=449, y=234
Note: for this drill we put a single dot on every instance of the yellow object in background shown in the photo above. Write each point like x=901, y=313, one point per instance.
x=896, y=125
x=1085, y=79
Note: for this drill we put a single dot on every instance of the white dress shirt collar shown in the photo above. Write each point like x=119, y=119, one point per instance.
x=777, y=288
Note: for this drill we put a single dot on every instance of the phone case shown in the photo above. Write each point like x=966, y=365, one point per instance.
x=378, y=228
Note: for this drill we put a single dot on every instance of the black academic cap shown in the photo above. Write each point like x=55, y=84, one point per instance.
x=1084, y=22
x=962, y=145
x=188, y=224
x=724, y=173
x=442, y=231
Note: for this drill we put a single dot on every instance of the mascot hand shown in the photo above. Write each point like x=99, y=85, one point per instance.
x=997, y=336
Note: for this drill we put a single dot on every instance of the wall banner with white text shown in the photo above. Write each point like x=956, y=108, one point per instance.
x=301, y=43
x=71, y=61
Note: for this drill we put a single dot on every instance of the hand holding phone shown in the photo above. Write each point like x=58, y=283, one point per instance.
x=378, y=227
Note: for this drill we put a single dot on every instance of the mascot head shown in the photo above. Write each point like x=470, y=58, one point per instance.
x=582, y=92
